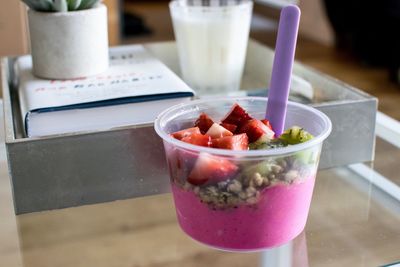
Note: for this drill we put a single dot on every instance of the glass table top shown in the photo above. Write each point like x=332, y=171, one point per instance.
x=354, y=221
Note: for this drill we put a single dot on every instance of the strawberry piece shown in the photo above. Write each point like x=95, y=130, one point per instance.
x=217, y=131
x=267, y=123
x=255, y=129
x=211, y=169
x=198, y=139
x=230, y=127
x=237, y=116
x=185, y=133
x=204, y=122
x=236, y=142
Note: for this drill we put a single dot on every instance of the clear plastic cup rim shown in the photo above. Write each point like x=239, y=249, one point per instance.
x=241, y=153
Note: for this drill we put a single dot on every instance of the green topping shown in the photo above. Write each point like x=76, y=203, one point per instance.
x=274, y=143
x=292, y=136
x=295, y=135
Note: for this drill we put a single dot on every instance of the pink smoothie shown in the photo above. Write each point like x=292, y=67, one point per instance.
x=278, y=217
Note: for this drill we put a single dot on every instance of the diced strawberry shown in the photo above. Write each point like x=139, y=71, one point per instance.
x=198, y=139
x=185, y=133
x=237, y=116
x=236, y=142
x=204, y=122
x=230, y=127
x=211, y=169
x=217, y=131
x=267, y=123
x=256, y=129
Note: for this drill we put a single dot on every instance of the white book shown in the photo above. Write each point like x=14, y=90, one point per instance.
x=135, y=89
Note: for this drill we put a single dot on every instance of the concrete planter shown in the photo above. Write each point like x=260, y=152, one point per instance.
x=68, y=45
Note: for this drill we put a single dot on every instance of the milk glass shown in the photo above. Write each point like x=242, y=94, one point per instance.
x=212, y=38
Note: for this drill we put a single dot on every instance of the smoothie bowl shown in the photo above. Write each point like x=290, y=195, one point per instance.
x=237, y=186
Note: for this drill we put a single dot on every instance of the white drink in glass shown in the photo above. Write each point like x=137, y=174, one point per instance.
x=212, y=42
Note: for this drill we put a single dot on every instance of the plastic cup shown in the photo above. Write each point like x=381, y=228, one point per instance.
x=256, y=199
x=212, y=38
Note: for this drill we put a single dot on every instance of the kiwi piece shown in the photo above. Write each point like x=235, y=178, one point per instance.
x=274, y=143
x=295, y=135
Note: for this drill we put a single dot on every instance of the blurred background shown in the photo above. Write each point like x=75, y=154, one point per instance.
x=353, y=40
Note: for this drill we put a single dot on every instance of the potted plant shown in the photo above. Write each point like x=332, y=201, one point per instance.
x=69, y=38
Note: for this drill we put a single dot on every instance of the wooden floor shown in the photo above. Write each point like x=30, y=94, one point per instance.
x=344, y=67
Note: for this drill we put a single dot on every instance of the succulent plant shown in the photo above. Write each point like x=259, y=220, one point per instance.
x=59, y=5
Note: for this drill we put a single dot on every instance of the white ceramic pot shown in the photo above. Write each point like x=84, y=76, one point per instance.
x=68, y=45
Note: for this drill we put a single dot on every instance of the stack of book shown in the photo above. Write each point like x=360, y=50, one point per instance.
x=135, y=89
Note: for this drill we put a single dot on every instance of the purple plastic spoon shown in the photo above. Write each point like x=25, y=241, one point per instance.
x=282, y=67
